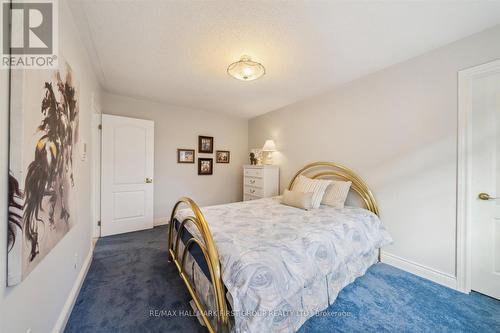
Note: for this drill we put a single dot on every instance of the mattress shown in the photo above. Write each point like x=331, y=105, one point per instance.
x=280, y=264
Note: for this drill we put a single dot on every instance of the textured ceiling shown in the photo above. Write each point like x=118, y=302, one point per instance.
x=177, y=52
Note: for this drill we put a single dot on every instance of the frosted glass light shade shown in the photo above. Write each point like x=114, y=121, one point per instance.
x=269, y=145
x=246, y=69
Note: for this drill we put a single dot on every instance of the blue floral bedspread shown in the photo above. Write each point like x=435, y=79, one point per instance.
x=281, y=265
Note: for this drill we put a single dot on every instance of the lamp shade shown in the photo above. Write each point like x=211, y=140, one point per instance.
x=269, y=146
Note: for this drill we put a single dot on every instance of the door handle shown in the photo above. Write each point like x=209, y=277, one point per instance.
x=486, y=196
x=149, y=180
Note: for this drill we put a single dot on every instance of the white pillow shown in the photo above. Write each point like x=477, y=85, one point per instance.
x=336, y=194
x=296, y=199
x=317, y=186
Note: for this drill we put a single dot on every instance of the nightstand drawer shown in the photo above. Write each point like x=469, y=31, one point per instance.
x=256, y=182
x=253, y=172
x=248, y=197
x=254, y=191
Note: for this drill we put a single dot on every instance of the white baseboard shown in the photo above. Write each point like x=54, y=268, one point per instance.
x=70, y=301
x=161, y=221
x=428, y=273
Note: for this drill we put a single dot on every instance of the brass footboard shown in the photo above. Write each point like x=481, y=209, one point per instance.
x=207, y=246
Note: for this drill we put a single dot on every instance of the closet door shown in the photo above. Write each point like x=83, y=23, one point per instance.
x=485, y=184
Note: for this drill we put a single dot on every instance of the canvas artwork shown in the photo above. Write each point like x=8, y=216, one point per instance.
x=43, y=136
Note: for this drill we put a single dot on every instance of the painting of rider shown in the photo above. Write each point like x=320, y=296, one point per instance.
x=44, y=122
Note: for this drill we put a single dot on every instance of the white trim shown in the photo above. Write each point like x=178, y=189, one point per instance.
x=161, y=221
x=95, y=171
x=432, y=274
x=463, y=175
x=70, y=301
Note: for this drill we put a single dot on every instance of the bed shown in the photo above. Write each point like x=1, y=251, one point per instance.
x=261, y=266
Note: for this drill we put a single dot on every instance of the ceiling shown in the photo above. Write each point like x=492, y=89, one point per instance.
x=177, y=52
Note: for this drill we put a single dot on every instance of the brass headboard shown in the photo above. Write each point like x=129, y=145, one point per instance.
x=330, y=169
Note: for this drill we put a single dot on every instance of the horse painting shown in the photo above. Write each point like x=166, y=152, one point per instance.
x=42, y=208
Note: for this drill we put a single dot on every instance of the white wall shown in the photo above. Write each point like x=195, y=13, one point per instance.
x=398, y=129
x=178, y=127
x=37, y=302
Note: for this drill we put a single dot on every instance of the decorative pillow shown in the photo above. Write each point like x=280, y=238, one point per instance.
x=336, y=194
x=317, y=186
x=301, y=200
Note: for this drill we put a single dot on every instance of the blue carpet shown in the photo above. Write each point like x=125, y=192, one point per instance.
x=130, y=282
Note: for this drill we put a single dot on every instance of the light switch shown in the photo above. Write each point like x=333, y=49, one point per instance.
x=84, y=152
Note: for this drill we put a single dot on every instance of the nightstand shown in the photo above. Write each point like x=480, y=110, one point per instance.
x=260, y=181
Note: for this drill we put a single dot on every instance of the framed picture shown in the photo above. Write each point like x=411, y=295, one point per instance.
x=185, y=155
x=222, y=156
x=205, y=166
x=205, y=144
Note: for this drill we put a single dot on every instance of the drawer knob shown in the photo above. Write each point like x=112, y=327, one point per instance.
x=252, y=181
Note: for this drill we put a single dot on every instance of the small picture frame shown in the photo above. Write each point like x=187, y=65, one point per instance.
x=185, y=155
x=205, y=166
x=205, y=144
x=222, y=156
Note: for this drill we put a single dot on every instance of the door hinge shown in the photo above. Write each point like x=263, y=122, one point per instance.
x=99, y=126
x=99, y=223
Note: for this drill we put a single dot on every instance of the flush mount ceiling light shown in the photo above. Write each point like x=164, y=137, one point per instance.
x=246, y=69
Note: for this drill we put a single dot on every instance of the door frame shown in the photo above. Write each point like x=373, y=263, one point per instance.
x=95, y=171
x=464, y=195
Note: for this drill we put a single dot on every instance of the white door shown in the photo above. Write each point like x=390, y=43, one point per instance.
x=127, y=175
x=485, y=184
